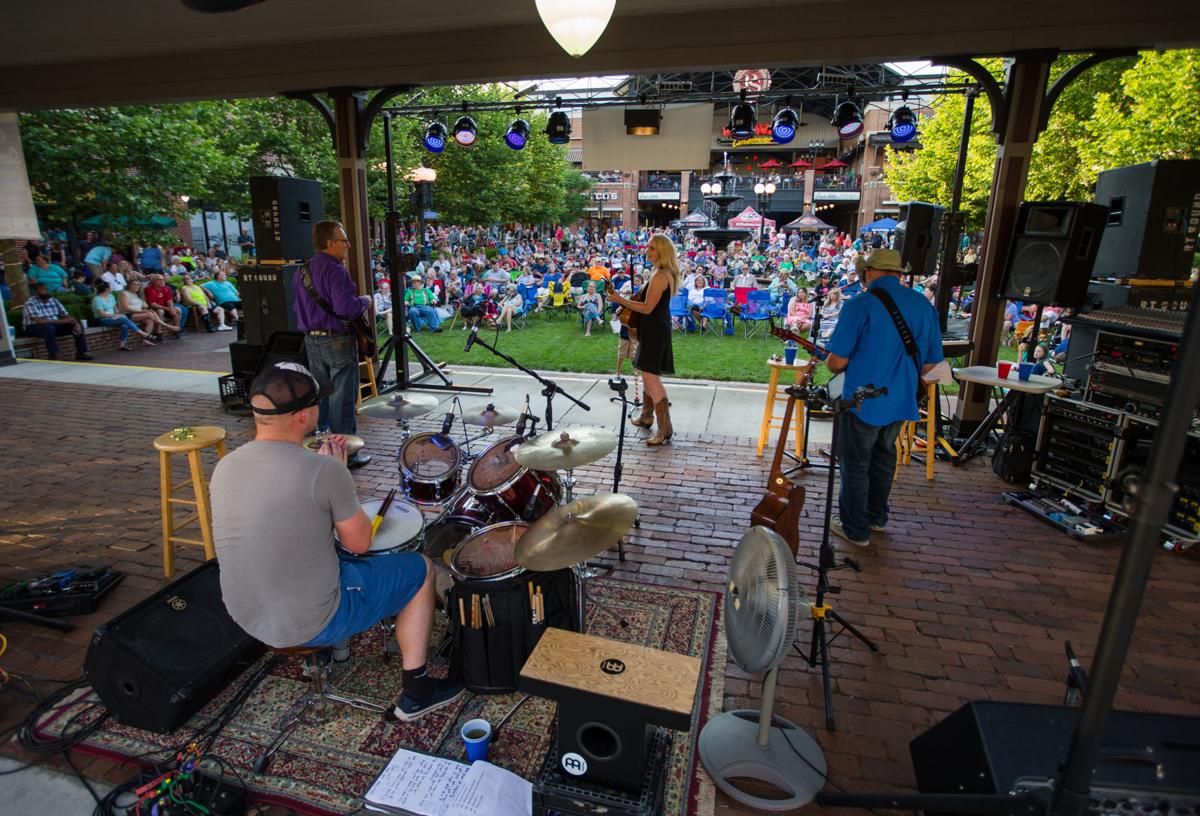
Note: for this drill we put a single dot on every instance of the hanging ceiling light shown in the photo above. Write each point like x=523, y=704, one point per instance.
x=558, y=126
x=783, y=127
x=517, y=134
x=742, y=119
x=848, y=119
x=576, y=24
x=903, y=124
x=465, y=131
x=435, y=137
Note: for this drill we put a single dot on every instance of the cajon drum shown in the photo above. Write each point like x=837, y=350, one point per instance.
x=610, y=696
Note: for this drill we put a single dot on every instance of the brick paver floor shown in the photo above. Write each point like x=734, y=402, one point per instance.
x=967, y=598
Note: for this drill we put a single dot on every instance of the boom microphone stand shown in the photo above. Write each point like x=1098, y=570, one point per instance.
x=818, y=652
x=621, y=387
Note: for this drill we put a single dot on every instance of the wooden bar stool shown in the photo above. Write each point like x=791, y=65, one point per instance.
x=908, y=443
x=190, y=441
x=367, y=386
x=774, y=396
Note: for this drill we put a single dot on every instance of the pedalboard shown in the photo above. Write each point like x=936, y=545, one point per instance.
x=68, y=592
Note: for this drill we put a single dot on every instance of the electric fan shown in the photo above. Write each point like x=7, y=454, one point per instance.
x=763, y=601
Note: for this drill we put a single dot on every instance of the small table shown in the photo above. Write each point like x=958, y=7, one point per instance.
x=610, y=696
x=986, y=375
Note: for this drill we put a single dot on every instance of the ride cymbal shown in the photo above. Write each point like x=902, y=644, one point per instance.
x=575, y=532
x=486, y=416
x=399, y=406
x=564, y=450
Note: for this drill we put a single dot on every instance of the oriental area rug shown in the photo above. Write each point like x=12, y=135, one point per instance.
x=324, y=770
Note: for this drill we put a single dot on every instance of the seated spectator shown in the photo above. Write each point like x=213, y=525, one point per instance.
x=745, y=280
x=511, y=305
x=224, y=294
x=830, y=312
x=799, y=315
x=383, y=304
x=577, y=280
x=164, y=301
x=51, y=274
x=435, y=286
x=131, y=304
x=79, y=285
x=780, y=287
x=599, y=271
x=44, y=317
x=1043, y=363
x=558, y=295
x=104, y=313
x=419, y=302
x=590, y=305
x=196, y=297
x=114, y=278
x=527, y=278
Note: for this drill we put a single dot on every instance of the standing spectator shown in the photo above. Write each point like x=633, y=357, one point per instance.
x=164, y=302
x=225, y=295
x=97, y=258
x=50, y=274
x=151, y=259
x=104, y=312
x=44, y=317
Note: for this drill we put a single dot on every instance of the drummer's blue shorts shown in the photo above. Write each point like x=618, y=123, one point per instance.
x=372, y=589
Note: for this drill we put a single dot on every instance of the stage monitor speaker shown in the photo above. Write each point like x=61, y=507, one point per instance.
x=164, y=659
x=1153, y=220
x=268, y=300
x=244, y=358
x=919, y=236
x=284, y=211
x=1050, y=260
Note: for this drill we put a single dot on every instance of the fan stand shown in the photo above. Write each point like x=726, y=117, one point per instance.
x=756, y=745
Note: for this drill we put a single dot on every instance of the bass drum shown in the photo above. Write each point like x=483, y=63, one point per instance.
x=445, y=536
x=507, y=489
x=429, y=467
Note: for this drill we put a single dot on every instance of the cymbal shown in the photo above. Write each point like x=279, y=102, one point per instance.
x=353, y=443
x=487, y=415
x=399, y=406
x=564, y=450
x=575, y=532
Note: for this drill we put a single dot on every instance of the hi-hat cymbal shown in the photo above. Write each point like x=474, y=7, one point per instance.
x=399, y=406
x=353, y=443
x=485, y=416
x=564, y=450
x=575, y=532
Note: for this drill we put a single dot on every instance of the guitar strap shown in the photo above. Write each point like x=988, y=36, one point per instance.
x=906, y=336
x=306, y=282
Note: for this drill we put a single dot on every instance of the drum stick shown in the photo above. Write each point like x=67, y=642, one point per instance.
x=462, y=612
x=383, y=508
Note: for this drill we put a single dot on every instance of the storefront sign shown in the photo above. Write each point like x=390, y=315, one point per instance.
x=753, y=140
x=658, y=195
x=835, y=195
x=605, y=195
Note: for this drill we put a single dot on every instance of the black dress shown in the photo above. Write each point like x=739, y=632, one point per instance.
x=654, y=338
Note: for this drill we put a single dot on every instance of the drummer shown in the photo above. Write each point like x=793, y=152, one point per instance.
x=276, y=507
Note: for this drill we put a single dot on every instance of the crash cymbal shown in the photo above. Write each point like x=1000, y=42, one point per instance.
x=564, y=450
x=399, y=406
x=575, y=532
x=487, y=415
x=353, y=443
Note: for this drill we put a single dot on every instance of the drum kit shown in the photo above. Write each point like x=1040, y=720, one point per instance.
x=508, y=509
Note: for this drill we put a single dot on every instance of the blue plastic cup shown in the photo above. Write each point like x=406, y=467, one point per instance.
x=789, y=355
x=1025, y=370
x=477, y=735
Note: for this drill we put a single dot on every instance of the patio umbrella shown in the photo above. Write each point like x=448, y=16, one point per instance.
x=806, y=223
x=800, y=163
x=833, y=165
x=771, y=163
x=100, y=222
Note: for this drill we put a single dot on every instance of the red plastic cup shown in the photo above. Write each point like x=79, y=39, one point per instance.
x=1002, y=369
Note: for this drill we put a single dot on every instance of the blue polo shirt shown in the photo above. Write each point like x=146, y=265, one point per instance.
x=866, y=336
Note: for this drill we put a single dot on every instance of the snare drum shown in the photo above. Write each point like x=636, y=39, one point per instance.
x=403, y=529
x=429, y=467
x=488, y=555
x=508, y=489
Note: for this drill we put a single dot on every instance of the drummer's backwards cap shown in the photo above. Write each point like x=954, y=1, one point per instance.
x=289, y=387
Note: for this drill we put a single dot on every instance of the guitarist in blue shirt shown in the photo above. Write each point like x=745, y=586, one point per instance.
x=887, y=337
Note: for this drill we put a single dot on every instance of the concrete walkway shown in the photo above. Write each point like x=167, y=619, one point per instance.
x=697, y=406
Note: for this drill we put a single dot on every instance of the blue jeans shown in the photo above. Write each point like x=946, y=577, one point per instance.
x=866, y=461
x=50, y=332
x=183, y=315
x=121, y=322
x=423, y=316
x=333, y=360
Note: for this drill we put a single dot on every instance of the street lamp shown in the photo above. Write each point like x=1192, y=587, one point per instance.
x=764, y=192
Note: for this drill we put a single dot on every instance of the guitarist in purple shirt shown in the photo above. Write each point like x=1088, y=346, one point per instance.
x=324, y=318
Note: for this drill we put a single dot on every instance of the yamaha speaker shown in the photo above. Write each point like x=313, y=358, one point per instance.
x=1153, y=220
x=1050, y=261
x=268, y=300
x=284, y=211
x=164, y=659
x=919, y=236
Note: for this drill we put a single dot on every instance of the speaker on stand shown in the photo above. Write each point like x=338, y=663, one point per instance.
x=284, y=211
x=1053, y=251
x=919, y=236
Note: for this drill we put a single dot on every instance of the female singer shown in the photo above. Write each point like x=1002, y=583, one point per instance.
x=654, y=356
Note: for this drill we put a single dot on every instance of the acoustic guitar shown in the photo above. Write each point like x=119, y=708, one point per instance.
x=628, y=317
x=779, y=509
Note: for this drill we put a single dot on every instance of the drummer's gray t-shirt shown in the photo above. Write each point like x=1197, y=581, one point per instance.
x=274, y=505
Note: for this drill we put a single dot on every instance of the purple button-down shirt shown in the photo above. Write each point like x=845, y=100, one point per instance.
x=333, y=283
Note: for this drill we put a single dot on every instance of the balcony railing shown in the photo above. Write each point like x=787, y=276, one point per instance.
x=658, y=181
x=838, y=182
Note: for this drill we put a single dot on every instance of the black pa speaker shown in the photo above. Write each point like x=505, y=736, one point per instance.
x=268, y=299
x=1050, y=261
x=1153, y=220
x=164, y=659
x=919, y=236
x=284, y=211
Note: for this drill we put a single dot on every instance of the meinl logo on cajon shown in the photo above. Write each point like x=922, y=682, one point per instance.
x=612, y=666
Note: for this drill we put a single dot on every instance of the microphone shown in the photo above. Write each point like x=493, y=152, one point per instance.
x=471, y=338
x=447, y=422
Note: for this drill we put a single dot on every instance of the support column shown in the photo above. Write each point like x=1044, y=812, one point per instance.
x=810, y=187
x=1024, y=96
x=352, y=185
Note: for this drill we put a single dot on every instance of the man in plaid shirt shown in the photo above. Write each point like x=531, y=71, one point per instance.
x=46, y=318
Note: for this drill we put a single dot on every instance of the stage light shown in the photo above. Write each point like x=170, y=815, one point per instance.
x=575, y=24
x=517, y=134
x=435, y=137
x=903, y=124
x=558, y=128
x=848, y=119
x=464, y=131
x=742, y=119
x=783, y=128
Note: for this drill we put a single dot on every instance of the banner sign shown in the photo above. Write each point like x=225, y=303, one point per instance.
x=17, y=216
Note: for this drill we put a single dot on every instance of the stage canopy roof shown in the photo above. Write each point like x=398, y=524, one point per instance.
x=89, y=53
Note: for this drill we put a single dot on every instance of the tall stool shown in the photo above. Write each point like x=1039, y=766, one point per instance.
x=190, y=441
x=367, y=387
x=908, y=443
x=770, y=418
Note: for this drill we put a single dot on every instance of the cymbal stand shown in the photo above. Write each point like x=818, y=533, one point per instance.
x=550, y=387
x=621, y=387
x=487, y=431
x=821, y=612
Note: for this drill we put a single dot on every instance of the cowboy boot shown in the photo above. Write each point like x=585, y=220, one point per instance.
x=647, y=418
x=662, y=410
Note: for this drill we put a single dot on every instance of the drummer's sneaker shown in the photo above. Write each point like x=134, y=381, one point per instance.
x=445, y=692
x=835, y=527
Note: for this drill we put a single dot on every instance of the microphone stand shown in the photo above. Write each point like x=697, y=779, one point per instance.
x=550, y=388
x=621, y=387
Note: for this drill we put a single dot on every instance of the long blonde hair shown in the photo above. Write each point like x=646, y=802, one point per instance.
x=668, y=258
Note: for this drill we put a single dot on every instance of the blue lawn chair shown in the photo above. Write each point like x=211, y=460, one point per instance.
x=681, y=312
x=715, y=311
x=528, y=304
x=755, y=313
